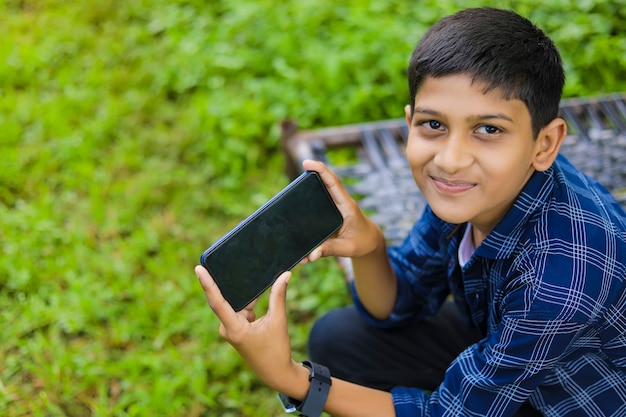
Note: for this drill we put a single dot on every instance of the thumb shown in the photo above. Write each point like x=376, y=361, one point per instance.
x=278, y=296
x=326, y=249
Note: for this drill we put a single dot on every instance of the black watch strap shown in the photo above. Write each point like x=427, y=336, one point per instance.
x=315, y=400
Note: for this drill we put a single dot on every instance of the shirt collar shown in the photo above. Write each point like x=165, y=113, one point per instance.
x=503, y=239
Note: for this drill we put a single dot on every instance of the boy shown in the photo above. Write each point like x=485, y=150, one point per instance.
x=531, y=251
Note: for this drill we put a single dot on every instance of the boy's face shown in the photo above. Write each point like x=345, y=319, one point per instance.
x=470, y=153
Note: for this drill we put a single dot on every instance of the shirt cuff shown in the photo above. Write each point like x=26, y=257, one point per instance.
x=410, y=402
x=393, y=320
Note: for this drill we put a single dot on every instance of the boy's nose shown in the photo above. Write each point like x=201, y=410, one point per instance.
x=454, y=154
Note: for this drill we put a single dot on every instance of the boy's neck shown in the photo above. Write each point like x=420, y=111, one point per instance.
x=477, y=235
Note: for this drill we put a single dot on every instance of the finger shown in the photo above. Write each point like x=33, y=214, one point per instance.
x=249, y=312
x=250, y=315
x=330, y=180
x=278, y=295
x=313, y=165
x=331, y=247
x=217, y=302
x=313, y=256
x=316, y=254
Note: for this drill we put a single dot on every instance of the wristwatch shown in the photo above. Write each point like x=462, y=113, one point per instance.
x=315, y=399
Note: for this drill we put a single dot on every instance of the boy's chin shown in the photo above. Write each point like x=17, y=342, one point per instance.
x=450, y=213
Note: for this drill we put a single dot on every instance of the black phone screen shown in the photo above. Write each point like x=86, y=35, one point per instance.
x=275, y=238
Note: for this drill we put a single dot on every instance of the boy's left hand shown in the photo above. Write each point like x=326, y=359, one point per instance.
x=264, y=342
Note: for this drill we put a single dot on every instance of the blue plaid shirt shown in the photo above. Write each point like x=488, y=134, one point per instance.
x=547, y=288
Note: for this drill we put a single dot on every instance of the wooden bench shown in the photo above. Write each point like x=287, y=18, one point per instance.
x=369, y=157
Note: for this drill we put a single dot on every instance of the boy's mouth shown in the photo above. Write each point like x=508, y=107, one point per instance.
x=452, y=186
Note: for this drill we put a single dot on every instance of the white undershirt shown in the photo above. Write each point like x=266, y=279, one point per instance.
x=466, y=248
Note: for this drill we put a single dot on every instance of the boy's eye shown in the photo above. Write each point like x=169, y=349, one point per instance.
x=488, y=130
x=432, y=124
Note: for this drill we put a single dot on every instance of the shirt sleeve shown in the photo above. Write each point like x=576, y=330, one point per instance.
x=420, y=265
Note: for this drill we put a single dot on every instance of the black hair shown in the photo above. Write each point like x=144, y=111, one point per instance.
x=499, y=49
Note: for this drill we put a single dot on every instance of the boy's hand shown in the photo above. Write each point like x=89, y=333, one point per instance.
x=359, y=235
x=263, y=343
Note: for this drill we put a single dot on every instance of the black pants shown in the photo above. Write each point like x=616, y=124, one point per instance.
x=413, y=356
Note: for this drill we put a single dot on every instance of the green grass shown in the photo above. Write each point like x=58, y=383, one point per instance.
x=135, y=133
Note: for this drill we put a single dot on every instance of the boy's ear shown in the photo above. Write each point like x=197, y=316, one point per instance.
x=548, y=144
x=407, y=114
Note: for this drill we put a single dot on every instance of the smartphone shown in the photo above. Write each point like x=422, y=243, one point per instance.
x=275, y=238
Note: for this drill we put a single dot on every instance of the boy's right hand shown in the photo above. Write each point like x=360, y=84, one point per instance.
x=359, y=235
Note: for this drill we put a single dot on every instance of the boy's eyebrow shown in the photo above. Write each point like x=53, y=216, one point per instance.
x=427, y=111
x=432, y=112
x=491, y=116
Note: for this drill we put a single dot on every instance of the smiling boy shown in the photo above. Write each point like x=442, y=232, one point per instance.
x=472, y=153
x=508, y=296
